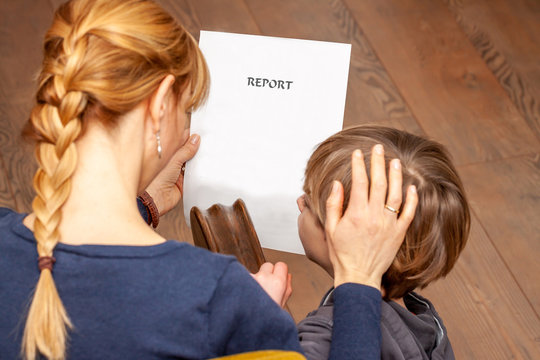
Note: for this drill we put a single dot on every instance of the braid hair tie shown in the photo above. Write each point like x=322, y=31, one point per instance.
x=46, y=262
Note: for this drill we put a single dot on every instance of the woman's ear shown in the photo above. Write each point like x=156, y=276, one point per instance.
x=158, y=101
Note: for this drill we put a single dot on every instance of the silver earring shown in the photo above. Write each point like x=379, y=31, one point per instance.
x=158, y=139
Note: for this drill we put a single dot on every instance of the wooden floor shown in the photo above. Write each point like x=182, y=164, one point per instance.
x=464, y=72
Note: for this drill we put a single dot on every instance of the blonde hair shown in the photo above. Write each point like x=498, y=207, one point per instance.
x=101, y=59
x=440, y=228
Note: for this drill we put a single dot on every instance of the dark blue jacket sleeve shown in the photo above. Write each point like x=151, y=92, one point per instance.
x=242, y=317
x=357, y=323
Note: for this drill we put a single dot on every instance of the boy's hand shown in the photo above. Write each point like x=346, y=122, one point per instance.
x=364, y=241
x=276, y=281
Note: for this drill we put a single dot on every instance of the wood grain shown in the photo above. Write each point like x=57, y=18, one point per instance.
x=507, y=36
x=371, y=94
x=182, y=11
x=173, y=225
x=448, y=87
x=485, y=311
x=6, y=194
x=20, y=56
x=229, y=16
x=464, y=72
x=505, y=195
x=228, y=230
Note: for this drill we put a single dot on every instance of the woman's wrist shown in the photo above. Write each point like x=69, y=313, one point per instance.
x=164, y=198
x=346, y=276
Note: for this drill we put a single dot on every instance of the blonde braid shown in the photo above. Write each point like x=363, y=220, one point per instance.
x=59, y=124
x=102, y=58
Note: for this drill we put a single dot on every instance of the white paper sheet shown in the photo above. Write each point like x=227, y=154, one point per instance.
x=257, y=134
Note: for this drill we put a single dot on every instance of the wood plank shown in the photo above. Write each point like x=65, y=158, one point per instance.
x=371, y=95
x=229, y=16
x=173, y=225
x=505, y=195
x=179, y=9
x=22, y=27
x=448, y=87
x=6, y=194
x=490, y=301
x=17, y=154
x=55, y=4
x=507, y=36
x=405, y=124
x=484, y=310
x=182, y=11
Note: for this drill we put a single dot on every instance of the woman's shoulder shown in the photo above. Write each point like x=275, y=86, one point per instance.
x=200, y=262
x=11, y=222
x=7, y=215
x=195, y=254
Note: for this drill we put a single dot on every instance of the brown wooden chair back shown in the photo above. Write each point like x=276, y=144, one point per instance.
x=228, y=230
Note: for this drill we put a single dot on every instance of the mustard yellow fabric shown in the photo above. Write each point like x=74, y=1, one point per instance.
x=265, y=355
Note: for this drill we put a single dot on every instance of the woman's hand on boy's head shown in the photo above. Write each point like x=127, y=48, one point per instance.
x=364, y=241
x=276, y=281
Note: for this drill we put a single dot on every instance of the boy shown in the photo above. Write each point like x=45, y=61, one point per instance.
x=434, y=240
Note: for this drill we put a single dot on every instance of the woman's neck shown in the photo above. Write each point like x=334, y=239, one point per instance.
x=101, y=207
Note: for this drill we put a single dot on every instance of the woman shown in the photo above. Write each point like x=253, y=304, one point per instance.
x=119, y=78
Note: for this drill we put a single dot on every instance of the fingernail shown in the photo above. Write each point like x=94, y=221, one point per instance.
x=335, y=186
x=396, y=164
x=413, y=189
x=379, y=149
x=358, y=153
x=195, y=139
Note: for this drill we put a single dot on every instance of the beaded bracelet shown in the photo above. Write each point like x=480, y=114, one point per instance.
x=150, y=205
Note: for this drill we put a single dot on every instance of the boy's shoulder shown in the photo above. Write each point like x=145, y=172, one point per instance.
x=414, y=332
x=321, y=317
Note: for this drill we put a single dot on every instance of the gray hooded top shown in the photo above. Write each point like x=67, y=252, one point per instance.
x=414, y=333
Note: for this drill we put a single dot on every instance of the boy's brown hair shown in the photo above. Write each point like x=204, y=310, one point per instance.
x=440, y=228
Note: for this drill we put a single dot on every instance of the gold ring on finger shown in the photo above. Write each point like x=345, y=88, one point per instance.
x=391, y=209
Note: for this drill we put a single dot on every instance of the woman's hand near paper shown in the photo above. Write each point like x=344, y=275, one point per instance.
x=364, y=241
x=167, y=188
x=276, y=281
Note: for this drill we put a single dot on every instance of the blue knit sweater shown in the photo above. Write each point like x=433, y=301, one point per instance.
x=165, y=301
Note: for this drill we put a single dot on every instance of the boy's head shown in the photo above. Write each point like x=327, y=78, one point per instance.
x=440, y=228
